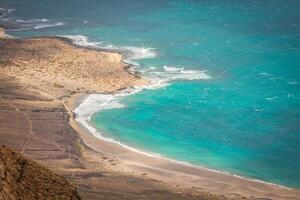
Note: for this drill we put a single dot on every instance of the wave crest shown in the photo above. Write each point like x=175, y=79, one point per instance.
x=32, y=20
x=6, y=11
x=81, y=40
x=48, y=25
x=137, y=53
x=13, y=24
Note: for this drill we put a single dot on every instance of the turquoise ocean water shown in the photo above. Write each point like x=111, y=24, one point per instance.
x=226, y=76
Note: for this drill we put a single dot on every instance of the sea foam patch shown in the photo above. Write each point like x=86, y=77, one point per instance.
x=137, y=53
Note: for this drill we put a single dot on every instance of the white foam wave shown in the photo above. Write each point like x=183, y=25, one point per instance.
x=48, y=25
x=7, y=10
x=172, y=69
x=265, y=74
x=271, y=98
x=137, y=53
x=26, y=24
x=179, y=73
x=81, y=40
x=32, y=20
x=292, y=83
x=10, y=10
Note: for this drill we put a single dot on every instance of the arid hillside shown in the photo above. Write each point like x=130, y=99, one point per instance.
x=24, y=179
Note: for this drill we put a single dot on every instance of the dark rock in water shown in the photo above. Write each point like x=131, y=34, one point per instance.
x=24, y=179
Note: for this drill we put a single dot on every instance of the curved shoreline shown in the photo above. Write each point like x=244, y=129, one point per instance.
x=92, y=130
x=129, y=162
x=180, y=173
x=152, y=154
x=88, y=127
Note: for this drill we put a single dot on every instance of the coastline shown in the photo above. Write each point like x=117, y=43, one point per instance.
x=172, y=173
x=140, y=167
x=32, y=105
x=91, y=130
x=2, y=33
x=181, y=174
x=81, y=100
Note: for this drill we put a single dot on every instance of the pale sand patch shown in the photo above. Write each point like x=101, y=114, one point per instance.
x=63, y=72
x=2, y=33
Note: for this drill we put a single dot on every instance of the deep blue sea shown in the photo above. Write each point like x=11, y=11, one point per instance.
x=225, y=75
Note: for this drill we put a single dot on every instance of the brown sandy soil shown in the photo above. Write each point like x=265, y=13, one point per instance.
x=24, y=179
x=40, y=82
x=58, y=69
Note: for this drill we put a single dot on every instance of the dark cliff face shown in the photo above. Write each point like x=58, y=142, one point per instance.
x=24, y=179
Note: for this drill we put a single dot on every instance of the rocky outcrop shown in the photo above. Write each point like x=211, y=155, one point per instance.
x=24, y=179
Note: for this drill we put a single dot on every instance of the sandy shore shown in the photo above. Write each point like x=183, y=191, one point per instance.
x=2, y=33
x=183, y=175
x=46, y=78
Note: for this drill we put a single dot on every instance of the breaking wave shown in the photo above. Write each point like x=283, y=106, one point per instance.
x=48, y=25
x=13, y=24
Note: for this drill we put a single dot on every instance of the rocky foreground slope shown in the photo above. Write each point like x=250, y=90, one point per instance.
x=24, y=179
